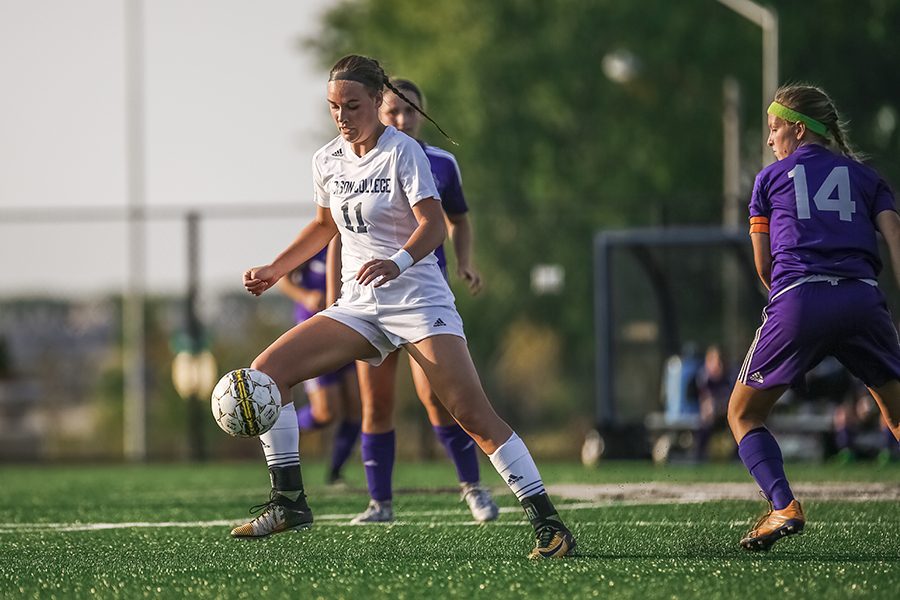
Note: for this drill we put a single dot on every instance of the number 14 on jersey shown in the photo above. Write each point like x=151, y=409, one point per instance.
x=838, y=179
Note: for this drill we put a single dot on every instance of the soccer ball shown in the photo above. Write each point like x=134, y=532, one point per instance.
x=246, y=403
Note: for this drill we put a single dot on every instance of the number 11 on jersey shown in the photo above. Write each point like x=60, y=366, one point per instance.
x=361, y=225
x=838, y=179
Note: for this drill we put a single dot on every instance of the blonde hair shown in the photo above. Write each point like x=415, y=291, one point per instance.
x=815, y=103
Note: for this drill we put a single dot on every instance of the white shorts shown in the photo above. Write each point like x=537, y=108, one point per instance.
x=388, y=330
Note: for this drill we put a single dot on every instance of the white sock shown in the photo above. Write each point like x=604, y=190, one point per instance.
x=515, y=465
x=282, y=443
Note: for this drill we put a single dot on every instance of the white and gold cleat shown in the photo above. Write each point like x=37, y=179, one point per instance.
x=279, y=514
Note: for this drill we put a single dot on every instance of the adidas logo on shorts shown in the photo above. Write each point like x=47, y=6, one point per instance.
x=439, y=323
x=339, y=152
x=757, y=377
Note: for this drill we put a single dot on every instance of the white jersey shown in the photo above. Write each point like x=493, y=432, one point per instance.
x=371, y=199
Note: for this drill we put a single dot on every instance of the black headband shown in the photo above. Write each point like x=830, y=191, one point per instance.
x=351, y=76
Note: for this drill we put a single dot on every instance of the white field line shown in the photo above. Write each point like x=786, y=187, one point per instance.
x=342, y=520
x=591, y=496
x=653, y=492
x=336, y=520
x=11, y=528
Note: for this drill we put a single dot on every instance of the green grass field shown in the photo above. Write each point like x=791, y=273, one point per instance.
x=162, y=531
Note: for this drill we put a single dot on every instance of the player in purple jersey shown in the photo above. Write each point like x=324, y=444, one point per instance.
x=377, y=383
x=814, y=215
x=372, y=186
x=332, y=394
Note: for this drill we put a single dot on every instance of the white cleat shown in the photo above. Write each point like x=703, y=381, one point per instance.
x=376, y=512
x=480, y=502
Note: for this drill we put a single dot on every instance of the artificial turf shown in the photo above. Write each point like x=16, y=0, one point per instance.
x=669, y=550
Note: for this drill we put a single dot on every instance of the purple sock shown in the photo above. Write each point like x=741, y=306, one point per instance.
x=344, y=440
x=761, y=455
x=843, y=438
x=306, y=420
x=378, y=459
x=461, y=449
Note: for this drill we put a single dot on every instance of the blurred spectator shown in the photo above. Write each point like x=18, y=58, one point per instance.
x=713, y=383
x=679, y=390
x=857, y=420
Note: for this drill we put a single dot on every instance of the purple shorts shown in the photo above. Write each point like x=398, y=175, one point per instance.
x=311, y=385
x=848, y=319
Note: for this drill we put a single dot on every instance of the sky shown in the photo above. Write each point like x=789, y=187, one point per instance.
x=234, y=108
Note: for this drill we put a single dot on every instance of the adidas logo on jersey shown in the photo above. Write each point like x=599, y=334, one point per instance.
x=757, y=377
x=339, y=152
x=439, y=323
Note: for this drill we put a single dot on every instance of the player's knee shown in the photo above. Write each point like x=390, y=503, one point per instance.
x=468, y=416
x=736, y=415
x=377, y=415
x=264, y=363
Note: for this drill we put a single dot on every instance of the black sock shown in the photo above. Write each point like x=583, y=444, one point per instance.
x=288, y=482
x=540, y=510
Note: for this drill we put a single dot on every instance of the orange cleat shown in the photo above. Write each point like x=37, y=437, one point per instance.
x=775, y=525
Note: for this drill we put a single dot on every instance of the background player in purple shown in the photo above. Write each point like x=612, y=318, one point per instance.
x=813, y=221
x=334, y=393
x=377, y=383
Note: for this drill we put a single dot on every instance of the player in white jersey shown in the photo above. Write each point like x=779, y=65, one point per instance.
x=373, y=186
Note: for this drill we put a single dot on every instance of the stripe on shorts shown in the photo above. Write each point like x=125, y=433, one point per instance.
x=742, y=376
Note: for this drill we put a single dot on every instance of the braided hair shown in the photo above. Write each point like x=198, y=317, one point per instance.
x=815, y=103
x=368, y=72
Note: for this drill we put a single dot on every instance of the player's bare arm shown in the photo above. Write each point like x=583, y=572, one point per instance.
x=429, y=234
x=311, y=239
x=762, y=257
x=888, y=223
x=459, y=230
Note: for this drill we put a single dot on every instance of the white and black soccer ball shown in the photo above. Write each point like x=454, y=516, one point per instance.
x=246, y=403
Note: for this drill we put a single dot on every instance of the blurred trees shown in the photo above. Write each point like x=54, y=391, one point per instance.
x=574, y=116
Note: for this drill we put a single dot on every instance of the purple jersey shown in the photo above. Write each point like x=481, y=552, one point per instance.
x=448, y=181
x=821, y=210
x=311, y=275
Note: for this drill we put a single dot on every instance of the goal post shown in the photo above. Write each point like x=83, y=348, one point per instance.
x=655, y=290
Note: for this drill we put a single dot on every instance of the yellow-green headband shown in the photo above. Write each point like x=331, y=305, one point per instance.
x=780, y=110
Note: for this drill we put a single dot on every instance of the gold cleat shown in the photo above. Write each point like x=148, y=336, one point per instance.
x=775, y=525
x=553, y=541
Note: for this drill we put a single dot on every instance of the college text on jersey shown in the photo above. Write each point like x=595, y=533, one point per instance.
x=374, y=185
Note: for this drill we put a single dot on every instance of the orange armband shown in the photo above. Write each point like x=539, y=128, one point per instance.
x=759, y=225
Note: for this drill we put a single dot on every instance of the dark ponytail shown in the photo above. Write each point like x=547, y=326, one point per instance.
x=368, y=72
x=399, y=94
